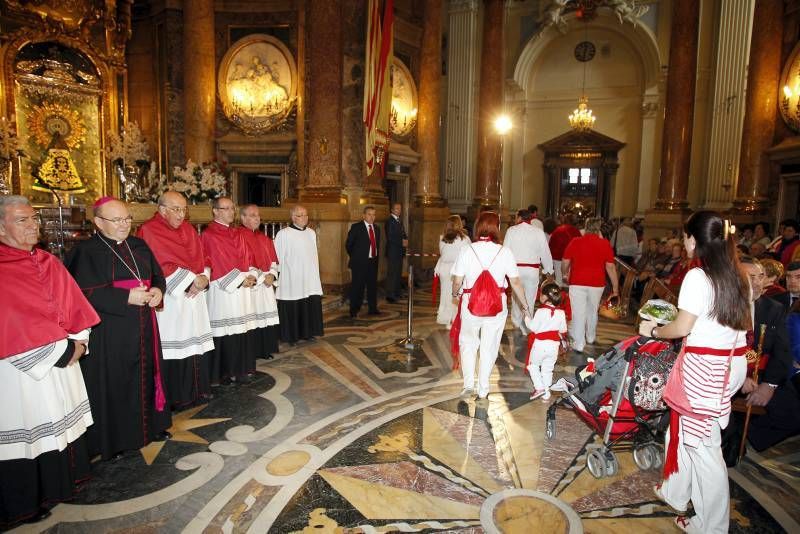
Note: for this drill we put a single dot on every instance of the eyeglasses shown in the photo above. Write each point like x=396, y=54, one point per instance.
x=175, y=209
x=118, y=220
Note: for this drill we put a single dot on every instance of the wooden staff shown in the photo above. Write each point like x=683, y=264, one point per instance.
x=756, y=360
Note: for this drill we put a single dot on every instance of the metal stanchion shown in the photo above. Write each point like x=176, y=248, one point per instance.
x=409, y=342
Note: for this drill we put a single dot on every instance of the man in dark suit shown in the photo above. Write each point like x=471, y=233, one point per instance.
x=363, y=243
x=396, y=243
x=773, y=391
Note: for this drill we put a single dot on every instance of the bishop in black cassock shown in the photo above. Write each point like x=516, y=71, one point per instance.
x=122, y=280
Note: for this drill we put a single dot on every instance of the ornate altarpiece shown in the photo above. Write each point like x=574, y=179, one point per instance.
x=62, y=71
x=586, y=192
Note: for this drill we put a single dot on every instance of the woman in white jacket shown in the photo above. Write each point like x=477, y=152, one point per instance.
x=450, y=245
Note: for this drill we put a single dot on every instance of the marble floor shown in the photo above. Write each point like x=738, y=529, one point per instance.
x=353, y=433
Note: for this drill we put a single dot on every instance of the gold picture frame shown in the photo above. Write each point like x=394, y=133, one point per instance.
x=403, y=115
x=257, y=83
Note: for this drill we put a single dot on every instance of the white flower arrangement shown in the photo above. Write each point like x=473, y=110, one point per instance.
x=199, y=182
x=9, y=142
x=129, y=148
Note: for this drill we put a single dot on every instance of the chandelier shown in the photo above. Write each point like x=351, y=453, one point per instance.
x=582, y=119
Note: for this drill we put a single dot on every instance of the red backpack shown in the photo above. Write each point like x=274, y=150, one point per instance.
x=485, y=297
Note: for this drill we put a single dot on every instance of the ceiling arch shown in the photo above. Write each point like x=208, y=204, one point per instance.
x=640, y=37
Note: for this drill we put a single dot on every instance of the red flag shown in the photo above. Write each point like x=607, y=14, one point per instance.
x=377, y=85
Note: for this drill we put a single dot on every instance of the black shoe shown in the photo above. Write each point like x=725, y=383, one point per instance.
x=117, y=457
x=247, y=379
x=374, y=312
x=164, y=436
x=353, y=314
x=41, y=515
x=269, y=357
x=391, y=300
x=205, y=397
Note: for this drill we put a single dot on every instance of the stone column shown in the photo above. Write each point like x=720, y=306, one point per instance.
x=677, y=139
x=462, y=75
x=733, y=42
x=759, y=120
x=487, y=180
x=199, y=80
x=647, y=167
x=429, y=114
x=322, y=181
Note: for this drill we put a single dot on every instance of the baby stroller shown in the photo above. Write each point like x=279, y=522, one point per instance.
x=620, y=399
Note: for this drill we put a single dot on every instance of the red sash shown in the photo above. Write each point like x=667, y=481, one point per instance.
x=547, y=335
x=534, y=265
x=708, y=351
x=160, y=398
x=455, y=331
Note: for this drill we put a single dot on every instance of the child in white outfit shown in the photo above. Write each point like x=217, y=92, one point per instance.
x=548, y=327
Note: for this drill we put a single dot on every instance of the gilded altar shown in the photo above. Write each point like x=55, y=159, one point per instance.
x=62, y=83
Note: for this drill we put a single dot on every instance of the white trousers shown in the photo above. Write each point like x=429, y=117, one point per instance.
x=482, y=333
x=583, y=327
x=702, y=478
x=529, y=277
x=557, y=268
x=543, y=359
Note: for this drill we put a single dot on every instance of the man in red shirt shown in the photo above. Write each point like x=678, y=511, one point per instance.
x=559, y=240
x=584, y=265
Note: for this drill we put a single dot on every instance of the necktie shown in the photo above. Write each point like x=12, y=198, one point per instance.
x=373, y=247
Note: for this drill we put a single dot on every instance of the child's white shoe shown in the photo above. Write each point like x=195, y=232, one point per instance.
x=538, y=393
x=546, y=395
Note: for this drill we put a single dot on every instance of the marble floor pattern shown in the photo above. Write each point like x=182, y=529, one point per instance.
x=353, y=433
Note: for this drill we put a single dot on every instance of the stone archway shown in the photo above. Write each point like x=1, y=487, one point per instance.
x=635, y=121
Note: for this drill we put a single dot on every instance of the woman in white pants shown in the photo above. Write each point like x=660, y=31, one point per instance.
x=714, y=316
x=586, y=261
x=485, y=333
x=450, y=245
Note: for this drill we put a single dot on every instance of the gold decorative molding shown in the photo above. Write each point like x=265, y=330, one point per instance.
x=257, y=84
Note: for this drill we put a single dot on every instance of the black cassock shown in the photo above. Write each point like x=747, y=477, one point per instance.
x=119, y=370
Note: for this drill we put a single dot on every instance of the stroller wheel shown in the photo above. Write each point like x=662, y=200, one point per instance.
x=658, y=456
x=644, y=457
x=550, y=429
x=612, y=465
x=596, y=462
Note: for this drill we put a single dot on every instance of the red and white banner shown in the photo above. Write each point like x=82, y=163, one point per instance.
x=377, y=83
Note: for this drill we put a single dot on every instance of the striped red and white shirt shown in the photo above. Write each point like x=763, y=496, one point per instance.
x=705, y=366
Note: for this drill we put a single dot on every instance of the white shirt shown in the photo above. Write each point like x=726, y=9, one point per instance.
x=529, y=245
x=625, y=242
x=697, y=297
x=545, y=320
x=472, y=260
x=448, y=254
x=298, y=263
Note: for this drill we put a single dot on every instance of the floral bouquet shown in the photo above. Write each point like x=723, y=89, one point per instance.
x=199, y=182
x=128, y=148
x=9, y=149
x=9, y=142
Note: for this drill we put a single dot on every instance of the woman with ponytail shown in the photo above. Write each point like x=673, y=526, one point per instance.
x=714, y=317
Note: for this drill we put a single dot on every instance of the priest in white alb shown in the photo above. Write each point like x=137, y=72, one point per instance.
x=44, y=328
x=529, y=245
x=300, y=289
x=183, y=323
x=263, y=335
x=229, y=305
